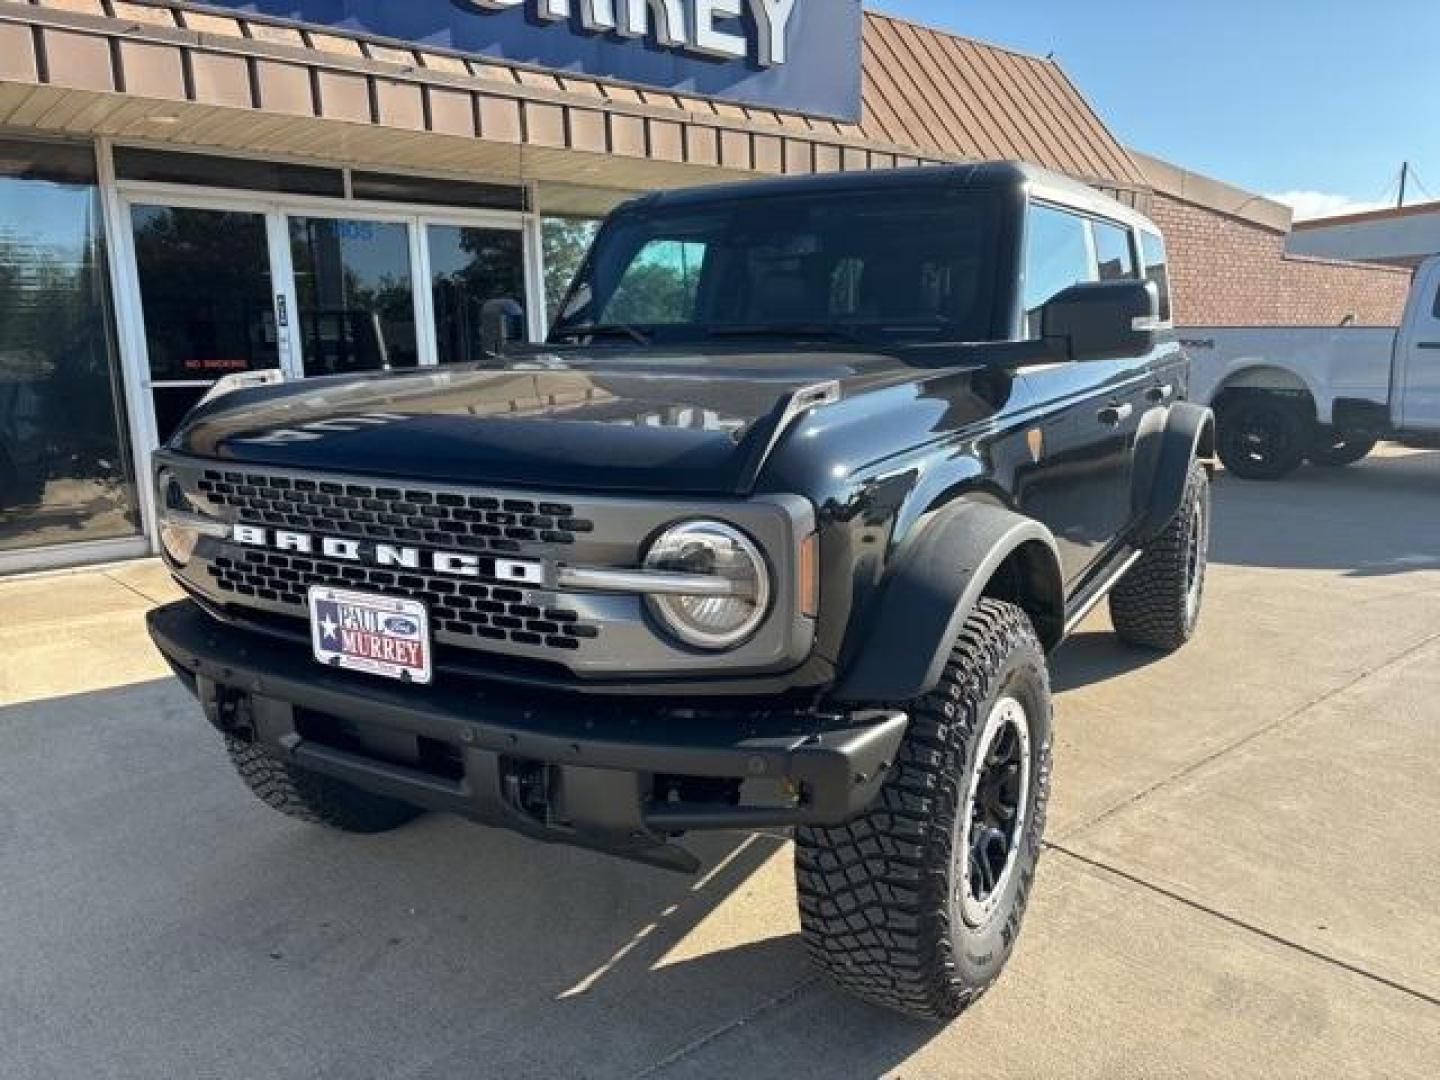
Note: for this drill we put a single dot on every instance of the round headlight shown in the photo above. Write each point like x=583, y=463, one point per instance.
x=737, y=596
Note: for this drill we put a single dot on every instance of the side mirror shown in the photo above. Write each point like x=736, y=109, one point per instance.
x=1104, y=320
x=501, y=322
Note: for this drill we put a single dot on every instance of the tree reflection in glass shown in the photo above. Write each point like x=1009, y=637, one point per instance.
x=470, y=266
x=65, y=472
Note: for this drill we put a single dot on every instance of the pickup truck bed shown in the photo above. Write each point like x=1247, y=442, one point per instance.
x=1327, y=362
x=1287, y=394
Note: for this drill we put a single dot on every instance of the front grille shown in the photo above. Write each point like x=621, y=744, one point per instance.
x=406, y=515
x=464, y=611
x=341, y=531
x=468, y=613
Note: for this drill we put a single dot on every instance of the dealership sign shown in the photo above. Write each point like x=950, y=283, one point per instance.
x=796, y=55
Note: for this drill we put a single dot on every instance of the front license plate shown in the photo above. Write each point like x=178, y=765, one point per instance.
x=379, y=635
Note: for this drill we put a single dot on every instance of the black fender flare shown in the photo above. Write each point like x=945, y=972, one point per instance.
x=937, y=576
x=1163, y=456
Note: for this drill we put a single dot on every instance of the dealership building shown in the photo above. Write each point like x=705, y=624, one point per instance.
x=188, y=191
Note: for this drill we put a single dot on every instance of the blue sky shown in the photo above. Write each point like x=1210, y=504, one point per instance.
x=1319, y=101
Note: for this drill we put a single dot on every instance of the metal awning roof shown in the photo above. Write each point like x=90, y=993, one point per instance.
x=951, y=95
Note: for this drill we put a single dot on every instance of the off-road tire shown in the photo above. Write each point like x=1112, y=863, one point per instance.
x=1263, y=436
x=1332, y=449
x=315, y=799
x=1153, y=605
x=878, y=898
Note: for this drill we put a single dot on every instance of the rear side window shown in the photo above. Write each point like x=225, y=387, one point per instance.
x=1114, y=253
x=1157, y=269
x=1057, y=256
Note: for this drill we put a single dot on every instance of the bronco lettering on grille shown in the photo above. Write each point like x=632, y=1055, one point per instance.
x=451, y=563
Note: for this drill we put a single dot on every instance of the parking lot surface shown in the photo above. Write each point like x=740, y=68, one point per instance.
x=1242, y=878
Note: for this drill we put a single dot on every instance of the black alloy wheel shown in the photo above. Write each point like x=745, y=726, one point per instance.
x=1263, y=436
x=1334, y=448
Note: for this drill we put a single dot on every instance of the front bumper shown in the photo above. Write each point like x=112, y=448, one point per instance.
x=558, y=767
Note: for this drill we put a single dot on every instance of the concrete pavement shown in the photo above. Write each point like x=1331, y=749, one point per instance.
x=1242, y=879
x=68, y=633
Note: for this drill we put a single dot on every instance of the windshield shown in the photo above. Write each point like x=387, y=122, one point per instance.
x=861, y=268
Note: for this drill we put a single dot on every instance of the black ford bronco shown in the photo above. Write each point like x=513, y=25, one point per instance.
x=775, y=531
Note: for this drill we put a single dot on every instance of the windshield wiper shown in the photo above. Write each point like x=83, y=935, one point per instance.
x=594, y=330
x=797, y=330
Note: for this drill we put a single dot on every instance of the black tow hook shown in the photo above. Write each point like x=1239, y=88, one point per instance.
x=228, y=711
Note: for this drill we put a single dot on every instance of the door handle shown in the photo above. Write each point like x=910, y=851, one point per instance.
x=1115, y=415
x=1159, y=395
x=1430, y=344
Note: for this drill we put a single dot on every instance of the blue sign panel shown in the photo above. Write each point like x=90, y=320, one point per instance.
x=795, y=55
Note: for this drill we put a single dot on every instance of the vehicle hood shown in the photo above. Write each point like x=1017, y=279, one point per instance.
x=680, y=423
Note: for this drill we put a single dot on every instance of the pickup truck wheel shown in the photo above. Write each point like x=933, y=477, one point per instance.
x=1157, y=604
x=315, y=799
x=917, y=905
x=1263, y=436
x=1335, y=449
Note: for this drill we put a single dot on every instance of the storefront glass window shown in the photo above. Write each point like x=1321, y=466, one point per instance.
x=468, y=267
x=65, y=471
x=243, y=174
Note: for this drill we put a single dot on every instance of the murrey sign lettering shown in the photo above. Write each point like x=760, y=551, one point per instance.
x=704, y=27
x=794, y=55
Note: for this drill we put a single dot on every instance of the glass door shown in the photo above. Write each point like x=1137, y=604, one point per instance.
x=354, y=288
x=469, y=265
x=233, y=285
x=361, y=299
x=217, y=282
x=207, y=298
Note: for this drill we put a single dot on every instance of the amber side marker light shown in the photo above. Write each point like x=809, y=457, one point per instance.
x=808, y=576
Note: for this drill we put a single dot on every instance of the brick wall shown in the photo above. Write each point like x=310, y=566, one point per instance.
x=1229, y=272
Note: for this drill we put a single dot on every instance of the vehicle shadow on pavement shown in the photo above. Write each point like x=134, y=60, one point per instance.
x=810, y=1028
x=683, y=982
x=1096, y=656
x=145, y=889
x=1374, y=519
x=605, y=969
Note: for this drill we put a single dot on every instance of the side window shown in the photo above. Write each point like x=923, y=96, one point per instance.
x=659, y=286
x=1113, y=252
x=1057, y=255
x=1157, y=269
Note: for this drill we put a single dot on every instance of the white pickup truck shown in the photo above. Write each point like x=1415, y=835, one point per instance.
x=1285, y=395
